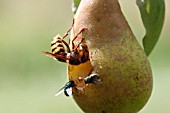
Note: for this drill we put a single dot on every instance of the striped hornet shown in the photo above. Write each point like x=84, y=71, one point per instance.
x=75, y=56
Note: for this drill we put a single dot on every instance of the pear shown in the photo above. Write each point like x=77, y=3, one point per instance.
x=116, y=56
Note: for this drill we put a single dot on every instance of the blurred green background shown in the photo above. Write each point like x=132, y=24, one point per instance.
x=29, y=79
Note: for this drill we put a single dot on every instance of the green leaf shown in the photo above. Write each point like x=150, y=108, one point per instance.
x=152, y=13
x=75, y=4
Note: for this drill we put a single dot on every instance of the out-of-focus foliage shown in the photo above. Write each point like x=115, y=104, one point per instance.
x=75, y=4
x=152, y=13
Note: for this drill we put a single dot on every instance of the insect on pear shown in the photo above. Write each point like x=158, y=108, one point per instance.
x=93, y=78
x=75, y=56
x=67, y=89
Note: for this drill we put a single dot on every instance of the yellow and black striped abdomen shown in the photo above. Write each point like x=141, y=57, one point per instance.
x=57, y=47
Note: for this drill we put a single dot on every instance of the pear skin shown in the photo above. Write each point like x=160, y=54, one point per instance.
x=116, y=56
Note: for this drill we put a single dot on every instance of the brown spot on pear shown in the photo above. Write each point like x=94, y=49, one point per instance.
x=116, y=55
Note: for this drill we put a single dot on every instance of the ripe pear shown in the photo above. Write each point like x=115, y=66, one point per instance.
x=115, y=55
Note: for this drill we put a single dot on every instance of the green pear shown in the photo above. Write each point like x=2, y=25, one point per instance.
x=116, y=56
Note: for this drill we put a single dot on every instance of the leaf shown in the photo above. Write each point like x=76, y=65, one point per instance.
x=75, y=4
x=152, y=13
